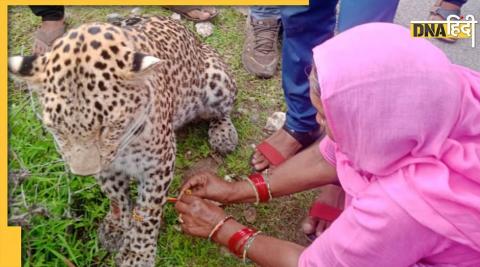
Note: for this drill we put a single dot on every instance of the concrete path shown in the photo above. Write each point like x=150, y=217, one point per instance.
x=460, y=52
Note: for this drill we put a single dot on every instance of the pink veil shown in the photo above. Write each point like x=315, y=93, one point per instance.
x=403, y=114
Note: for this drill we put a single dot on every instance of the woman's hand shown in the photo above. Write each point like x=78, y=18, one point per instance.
x=198, y=216
x=208, y=185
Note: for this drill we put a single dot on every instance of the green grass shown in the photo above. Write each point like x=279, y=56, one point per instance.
x=66, y=232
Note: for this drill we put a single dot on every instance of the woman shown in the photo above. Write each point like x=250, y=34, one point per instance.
x=403, y=127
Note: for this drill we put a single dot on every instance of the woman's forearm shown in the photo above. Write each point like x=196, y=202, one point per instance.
x=265, y=251
x=306, y=170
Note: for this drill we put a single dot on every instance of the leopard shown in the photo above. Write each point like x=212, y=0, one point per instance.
x=113, y=98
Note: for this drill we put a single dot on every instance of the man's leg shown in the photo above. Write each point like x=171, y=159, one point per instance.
x=352, y=13
x=304, y=27
x=52, y=27
x=49, y=13
x=265, y=12
x=260, y=53
x=357, y=12
x=458, y=3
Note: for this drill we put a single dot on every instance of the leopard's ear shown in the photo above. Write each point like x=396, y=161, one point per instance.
x=142, y=64
x=27, y=68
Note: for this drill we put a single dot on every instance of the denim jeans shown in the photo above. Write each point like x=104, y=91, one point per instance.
x=265, y=12
x=305, y=27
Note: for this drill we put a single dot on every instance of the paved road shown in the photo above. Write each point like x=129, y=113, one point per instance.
x=460, y=52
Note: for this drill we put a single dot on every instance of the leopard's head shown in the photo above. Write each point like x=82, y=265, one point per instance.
x=92, y=87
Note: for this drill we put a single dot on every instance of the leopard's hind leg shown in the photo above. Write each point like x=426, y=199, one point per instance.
x=220, y=92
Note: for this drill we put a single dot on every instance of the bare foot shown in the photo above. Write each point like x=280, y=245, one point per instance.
x=283, y=142
x=203, y=13
x=195, y=13
x=48, y=32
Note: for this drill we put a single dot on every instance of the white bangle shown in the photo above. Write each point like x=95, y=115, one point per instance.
x=257, y=197
x=248, y=245
x=218, y=225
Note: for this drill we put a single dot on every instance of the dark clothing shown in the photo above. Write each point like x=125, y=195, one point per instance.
x=459, y=3
x=49, y=13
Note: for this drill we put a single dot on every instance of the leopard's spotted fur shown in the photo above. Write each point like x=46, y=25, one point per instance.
x=102, y=83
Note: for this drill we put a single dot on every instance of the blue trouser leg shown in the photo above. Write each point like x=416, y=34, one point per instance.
x=265, y=12
x=356, y=12
x=304, y=27
x=459, y=3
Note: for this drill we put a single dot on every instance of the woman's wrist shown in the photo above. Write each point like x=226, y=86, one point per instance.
x=241, y=192
x=229, y=228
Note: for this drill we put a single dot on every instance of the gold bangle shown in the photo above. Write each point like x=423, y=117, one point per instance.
x=267, y=182
x=257, y=197
x=248, y=245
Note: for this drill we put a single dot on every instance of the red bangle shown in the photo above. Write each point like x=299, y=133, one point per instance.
x=261, y=186
x=242, y=245
x=237, y=237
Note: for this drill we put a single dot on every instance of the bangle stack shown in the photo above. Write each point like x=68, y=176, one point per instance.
x=248, y=244
x=261, y=187
x=241, y=241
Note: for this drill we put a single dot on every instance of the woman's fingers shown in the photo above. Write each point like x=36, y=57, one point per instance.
x=321, y=226
x=188, y=199
x=184, y=203
x=182, y=207
x=195, y=181
x=197, y=184
x=309, y=225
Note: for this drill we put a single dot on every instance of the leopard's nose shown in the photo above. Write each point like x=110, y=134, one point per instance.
x=84, y=160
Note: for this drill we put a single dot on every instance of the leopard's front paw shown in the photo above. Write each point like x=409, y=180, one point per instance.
x=222, y=135
x=129, y=258
x=111, y=234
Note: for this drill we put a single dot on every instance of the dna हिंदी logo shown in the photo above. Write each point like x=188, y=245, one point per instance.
x=454, y=27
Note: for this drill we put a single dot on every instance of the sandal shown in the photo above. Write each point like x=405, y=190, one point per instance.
x=274, y=157
x=439, y=13
x=323, y=212
x=44, y=39
x=325, y=209
x=185, y=10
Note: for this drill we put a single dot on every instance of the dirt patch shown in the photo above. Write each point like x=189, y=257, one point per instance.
x=207, y=164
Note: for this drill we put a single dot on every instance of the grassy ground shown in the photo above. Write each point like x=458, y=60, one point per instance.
x=60, y=212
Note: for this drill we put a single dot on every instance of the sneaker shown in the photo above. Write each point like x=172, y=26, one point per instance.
x=260, y=52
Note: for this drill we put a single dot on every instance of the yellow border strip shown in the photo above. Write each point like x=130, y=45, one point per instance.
x=161, y=2
x=10, y=237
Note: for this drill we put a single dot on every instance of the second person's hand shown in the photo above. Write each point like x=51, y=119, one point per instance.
x=209, y=186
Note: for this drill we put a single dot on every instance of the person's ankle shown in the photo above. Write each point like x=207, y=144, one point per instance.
x=52, y=24
x=449, y=6
x=288, y=140
x=201, y=15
